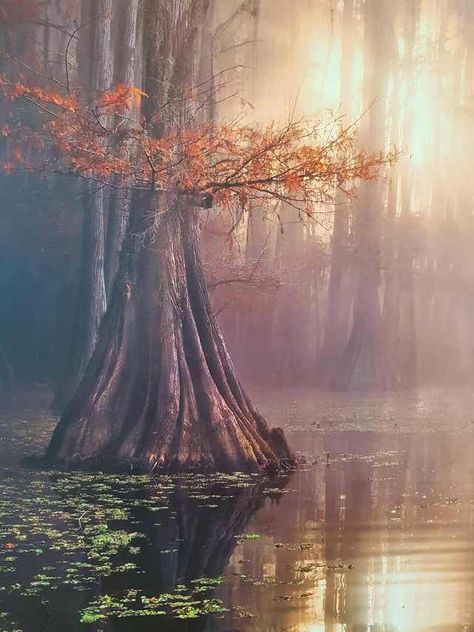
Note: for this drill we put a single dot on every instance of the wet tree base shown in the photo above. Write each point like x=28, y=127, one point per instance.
x=138, y=466
x=161, y=393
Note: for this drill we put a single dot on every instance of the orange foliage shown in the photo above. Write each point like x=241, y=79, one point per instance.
x=121, y=96
x=67, y=103
x=300, y=163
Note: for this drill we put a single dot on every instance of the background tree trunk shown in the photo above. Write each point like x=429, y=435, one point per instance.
x=335, y=334
x=127, y=67
x=91, y=298
x=366, y=363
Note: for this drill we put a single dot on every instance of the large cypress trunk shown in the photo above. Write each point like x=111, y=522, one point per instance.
x=161, y=392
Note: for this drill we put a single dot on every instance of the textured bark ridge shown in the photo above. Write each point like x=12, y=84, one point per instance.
x=161, y=392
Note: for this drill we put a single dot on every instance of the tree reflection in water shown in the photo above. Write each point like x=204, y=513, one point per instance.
x=381, y=540
x=189, y=538
x=193, y=540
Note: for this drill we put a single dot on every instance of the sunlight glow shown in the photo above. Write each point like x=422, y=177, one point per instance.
x=424, y=94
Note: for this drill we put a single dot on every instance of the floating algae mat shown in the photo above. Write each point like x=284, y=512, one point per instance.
x=90, y=548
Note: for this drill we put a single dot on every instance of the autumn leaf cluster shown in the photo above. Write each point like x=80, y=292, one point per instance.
x=301, y=163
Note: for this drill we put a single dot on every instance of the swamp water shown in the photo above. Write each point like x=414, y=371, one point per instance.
x=375, y=532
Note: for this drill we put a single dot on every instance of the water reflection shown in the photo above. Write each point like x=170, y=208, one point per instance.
x=187, y=530
x=380, y=539
x=193, y=539
x=374, y=534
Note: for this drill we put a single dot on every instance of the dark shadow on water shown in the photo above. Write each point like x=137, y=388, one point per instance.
x=192, y=537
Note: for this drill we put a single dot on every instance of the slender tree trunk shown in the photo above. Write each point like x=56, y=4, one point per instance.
x=391, y=276
x=391, y=300
x=366, y=363
x=290, y=329
x=126, y=74
x=407, y=353
x=335, y=334
x=7, y=374
x=255, y=335
x=407, y=340
x=160, y=392
x=91, y=300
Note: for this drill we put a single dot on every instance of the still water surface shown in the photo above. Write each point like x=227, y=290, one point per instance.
x=375, y=532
